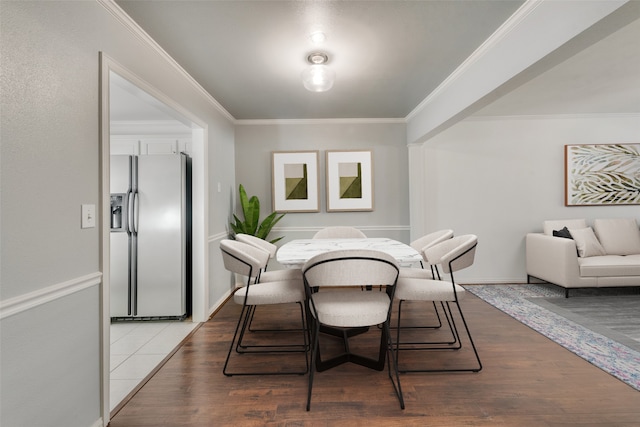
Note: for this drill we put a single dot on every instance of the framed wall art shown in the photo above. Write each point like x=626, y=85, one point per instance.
x=294, y=183
x=602, y=174
x=349, y=176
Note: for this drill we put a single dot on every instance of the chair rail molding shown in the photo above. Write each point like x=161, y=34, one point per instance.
x=21, y=303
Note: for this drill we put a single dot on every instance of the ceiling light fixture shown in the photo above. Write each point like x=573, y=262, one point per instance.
x=318, y=37
x=318, y=77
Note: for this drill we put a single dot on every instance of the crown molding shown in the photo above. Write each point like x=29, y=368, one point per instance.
x=149, y=127
x=577, y=116
x=511, y=23
x=143, y=36
x=321, y=121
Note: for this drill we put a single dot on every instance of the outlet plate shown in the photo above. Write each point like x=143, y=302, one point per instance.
x=88, y=216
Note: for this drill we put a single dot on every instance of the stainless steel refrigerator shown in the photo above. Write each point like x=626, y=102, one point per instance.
x=150, y=237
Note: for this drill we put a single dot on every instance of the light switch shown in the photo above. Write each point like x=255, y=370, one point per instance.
x=88, y=216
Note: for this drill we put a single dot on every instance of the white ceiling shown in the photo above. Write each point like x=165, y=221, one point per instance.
x=388, y=56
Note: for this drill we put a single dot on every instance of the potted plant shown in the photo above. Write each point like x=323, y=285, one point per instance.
x=251, y=224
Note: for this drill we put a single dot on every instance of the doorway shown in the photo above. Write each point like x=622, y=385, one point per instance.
x=130, y=107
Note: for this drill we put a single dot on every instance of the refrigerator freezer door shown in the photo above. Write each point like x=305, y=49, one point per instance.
x=161, y=235
x=120, y=251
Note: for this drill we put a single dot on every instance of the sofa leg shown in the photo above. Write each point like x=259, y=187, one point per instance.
x=566, y=292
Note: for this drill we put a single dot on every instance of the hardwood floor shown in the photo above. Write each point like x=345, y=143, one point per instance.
x=527, y=380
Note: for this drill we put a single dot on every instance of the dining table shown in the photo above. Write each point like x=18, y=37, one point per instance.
x=295, y=253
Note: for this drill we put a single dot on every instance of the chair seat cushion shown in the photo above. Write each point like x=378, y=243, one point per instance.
x=427, y=290
x=271, y=293
x=416, y=273
x=280, y=275
x=351, y=308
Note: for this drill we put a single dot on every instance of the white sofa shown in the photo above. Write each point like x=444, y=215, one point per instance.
x=607, y=255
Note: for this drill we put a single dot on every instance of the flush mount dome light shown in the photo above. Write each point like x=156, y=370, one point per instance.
x=318, y=77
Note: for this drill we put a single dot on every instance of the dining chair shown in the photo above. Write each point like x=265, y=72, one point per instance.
x=420, y=245
x=270, y=275
x=336, y=305
x=248, y=261
x=451, y=255
x=267, y=275
x=339, y=232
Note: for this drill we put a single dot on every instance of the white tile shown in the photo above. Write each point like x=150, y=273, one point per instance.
x=137, y=348
x=129, y=344
x=119, y=389
x=136, y=367
x=119, y=330
x=116, y=360
x=161, y=344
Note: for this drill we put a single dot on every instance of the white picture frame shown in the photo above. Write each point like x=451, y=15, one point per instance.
x=349, y=179
x=295, y=186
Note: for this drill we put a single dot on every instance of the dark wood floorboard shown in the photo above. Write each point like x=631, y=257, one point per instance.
x=527, y=380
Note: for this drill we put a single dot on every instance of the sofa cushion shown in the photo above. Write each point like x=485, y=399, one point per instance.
x=586, y=242
x=619, y=236
x=557, y=224
x=610, y=266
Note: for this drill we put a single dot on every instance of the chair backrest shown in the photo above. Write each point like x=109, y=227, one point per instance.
x=244, y=259
x=431, y=239
x=453, y=254
x=258, y=242
x=339, y=232
x=351, y=267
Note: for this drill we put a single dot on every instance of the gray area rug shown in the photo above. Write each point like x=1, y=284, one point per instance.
x=611, y=312
x=593, y=325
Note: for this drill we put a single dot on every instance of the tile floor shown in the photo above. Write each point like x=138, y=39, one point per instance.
x=137, y=348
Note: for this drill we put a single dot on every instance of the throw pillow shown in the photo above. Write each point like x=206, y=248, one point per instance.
x=619, y=236
x=586, y=242
x=562, y=233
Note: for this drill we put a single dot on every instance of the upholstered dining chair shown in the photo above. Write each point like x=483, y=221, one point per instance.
x=267, y=275
x=420, y=245
x=270, y=275
x=332, y=282
x=248, y=261
x=339, y=232
x=451, y=255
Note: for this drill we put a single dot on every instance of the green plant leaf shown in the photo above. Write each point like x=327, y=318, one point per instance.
x=251, y=213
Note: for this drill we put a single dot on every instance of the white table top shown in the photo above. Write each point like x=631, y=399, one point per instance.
x=295, y=253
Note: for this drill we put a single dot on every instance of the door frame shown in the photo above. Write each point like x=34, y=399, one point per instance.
x=200, y=204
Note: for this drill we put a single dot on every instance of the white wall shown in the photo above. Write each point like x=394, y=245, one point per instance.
x=500, y=178
x=51, y=309
x=387, y=140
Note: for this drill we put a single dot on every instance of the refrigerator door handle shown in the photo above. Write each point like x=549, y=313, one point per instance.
x=135, y=213
x=129, y=212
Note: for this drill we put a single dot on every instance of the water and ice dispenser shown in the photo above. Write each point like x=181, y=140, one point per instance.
x=118, y=211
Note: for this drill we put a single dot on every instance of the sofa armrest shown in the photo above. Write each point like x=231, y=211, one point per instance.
x=553, y=259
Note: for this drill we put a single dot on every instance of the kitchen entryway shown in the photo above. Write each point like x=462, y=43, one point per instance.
x=137, y=348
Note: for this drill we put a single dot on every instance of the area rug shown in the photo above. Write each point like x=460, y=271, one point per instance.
x=611, y=356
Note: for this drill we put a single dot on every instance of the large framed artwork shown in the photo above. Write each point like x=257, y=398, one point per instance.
x=602, y=174
x=349, y=176
x=294, y=182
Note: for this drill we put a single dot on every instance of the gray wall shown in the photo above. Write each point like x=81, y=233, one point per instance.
x=390, y=217
x=501, y=177
x=51, y=345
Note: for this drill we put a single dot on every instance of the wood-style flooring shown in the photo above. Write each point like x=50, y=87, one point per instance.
x=527, y=380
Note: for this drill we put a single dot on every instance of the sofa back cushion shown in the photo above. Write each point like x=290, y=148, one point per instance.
x=559, y=224
x=619, y=236
x=586, y=242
